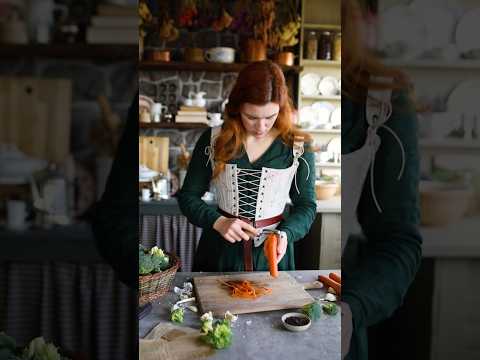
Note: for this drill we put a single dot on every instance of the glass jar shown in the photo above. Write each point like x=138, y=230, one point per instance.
x=337, y=47
x=325, y=50
x=311, y=47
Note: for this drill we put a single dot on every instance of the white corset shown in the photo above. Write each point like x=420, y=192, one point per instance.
x=270, y=192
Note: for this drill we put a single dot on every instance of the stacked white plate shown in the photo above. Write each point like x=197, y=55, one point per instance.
x=312, y=84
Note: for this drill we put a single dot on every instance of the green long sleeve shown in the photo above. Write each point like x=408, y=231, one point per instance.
x=304, y=209
x=197, y=182
x=375, y=286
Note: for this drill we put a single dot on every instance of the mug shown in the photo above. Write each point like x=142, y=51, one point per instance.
x=220, y=55
x=214, y=117
x=146, y=194
x=16, y=214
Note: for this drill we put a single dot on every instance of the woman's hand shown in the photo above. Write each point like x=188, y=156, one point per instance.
x=347, y=328
x=233, y=229
x=281, y=246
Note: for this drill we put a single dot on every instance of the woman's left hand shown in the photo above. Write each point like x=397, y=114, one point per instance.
x=281, y=246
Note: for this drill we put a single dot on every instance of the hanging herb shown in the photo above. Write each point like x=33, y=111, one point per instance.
x=167, y=31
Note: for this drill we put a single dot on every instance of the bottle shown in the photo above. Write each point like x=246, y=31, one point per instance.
x=311, y=48
x=325, y=51
x=337, y=47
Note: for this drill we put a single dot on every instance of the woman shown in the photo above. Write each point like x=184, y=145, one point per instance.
x=380, y=174
x=255, y=162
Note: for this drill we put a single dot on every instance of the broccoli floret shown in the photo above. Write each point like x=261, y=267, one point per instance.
x=330, y=309
x=177, y=315
x=160, y=263
x=312, y=310
x=221, y=335
x=145, y=264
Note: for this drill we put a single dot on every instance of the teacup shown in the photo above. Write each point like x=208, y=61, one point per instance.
x=220, y=55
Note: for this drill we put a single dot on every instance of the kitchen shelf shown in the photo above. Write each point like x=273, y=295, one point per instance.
x=323, y=131
x=322, y=97
x=172, y=126
x=435, y=64
x=71, y=51
x=334, y=27
x=207, y=67
x=321, y=63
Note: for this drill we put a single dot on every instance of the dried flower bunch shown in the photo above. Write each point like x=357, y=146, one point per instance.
x=167, y=31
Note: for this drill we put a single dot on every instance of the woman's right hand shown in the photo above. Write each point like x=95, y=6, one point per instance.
x=233, y=229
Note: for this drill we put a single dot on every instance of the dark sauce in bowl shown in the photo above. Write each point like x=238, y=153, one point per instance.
x=297, y=321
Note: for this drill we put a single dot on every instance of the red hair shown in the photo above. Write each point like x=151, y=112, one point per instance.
x=258, y=83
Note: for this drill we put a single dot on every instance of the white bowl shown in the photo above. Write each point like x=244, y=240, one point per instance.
x=293, y=327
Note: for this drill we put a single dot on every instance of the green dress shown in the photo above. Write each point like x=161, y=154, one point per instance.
x=214, y=253
x=377, y=273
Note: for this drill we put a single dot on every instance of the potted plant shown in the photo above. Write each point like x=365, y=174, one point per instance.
x=189, y=19
x=167, y=32
x=145, y=24
x=286, y=33
x=254, y=20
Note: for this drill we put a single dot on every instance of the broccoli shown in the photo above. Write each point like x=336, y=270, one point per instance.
x=330, y=309
x=154, y=260
x=145, y=264
x=313, y=310
x=177, y=315
x=160, y=263
x=221, y=335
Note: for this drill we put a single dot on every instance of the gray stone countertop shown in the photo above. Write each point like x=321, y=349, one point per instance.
x=262, y=335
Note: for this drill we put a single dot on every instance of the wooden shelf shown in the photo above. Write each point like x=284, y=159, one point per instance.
x=207, y=67
x=323, y=131
x=112, y=52
x=322, y=97
x=321, y=63
x=172, y=126
x=333, y=27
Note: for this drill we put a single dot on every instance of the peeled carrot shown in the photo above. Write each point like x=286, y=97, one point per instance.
x=270, y=250
x=335, y=277
x=332, y=283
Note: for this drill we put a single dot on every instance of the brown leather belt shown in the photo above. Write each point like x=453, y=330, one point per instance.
x=248, y=244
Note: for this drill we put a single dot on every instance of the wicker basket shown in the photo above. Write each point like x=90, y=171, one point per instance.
x=153, y=287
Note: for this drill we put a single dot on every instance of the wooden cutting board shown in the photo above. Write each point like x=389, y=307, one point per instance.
x=286, y=293
x=153, y=152
x=38, y=110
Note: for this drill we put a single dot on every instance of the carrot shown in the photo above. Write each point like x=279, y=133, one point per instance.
x=270, y=250
x=335, y=277
x=332, y=283
x=246, y=289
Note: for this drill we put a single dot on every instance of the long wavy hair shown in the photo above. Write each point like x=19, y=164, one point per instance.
x=359, y=64
x=258, y=83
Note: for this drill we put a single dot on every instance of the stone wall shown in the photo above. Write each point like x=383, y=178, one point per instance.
x=171, y=87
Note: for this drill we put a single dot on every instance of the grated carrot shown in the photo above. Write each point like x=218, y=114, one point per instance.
x=246, y=289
